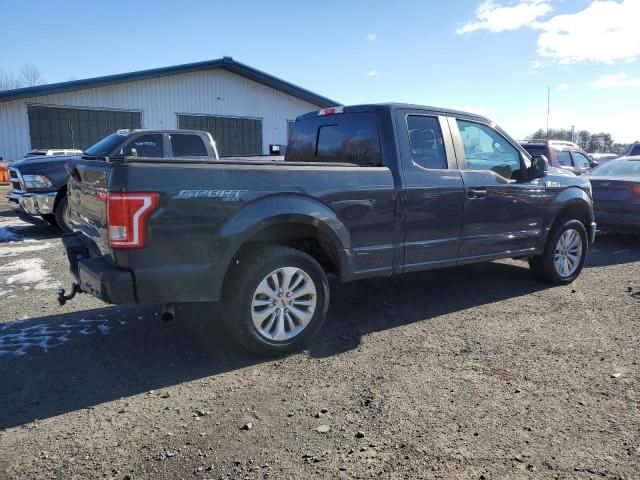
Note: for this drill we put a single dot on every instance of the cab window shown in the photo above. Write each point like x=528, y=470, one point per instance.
x=581, y=160
x=564, y=158
x=145, y=146
x=185, y=145
x=486, y=149
x=344, y=138
x=425, y=140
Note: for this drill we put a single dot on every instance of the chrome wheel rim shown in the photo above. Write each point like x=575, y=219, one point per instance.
x=568, y=253
x=283, y=304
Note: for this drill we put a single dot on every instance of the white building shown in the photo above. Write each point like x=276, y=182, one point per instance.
x=245, y=110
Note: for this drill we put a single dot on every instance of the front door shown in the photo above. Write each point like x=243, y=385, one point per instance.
x=503, y=210
x=433, y=191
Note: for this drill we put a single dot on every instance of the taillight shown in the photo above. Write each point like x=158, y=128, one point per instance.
x=127, y=215
x=636, y=189
x=330, y=111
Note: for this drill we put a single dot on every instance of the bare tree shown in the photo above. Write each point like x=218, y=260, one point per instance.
x=9, y=81
x=31, y=76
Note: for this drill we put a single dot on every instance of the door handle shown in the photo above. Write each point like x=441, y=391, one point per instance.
x=476, y=193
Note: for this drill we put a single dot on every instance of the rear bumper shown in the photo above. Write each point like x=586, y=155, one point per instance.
x=95, y=275
x=618, y=221
x=32, y=203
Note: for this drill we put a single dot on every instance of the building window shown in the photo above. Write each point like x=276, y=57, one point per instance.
x=54, y=127
x=233, y=136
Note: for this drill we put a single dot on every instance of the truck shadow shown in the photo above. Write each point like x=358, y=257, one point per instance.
x=360, y=308
x=57, y=364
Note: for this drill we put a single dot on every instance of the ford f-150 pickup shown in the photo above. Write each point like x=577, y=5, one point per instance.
x=39, y=183
x=364, y=191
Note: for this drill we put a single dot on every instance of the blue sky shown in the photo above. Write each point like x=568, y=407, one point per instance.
x=492, y=57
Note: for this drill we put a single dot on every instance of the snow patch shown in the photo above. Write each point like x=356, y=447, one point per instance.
x=17, y=341
x=29, y=271
x=10, y=228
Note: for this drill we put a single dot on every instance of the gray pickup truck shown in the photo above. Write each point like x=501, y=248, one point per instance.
x=39, y=182
x=364, y=191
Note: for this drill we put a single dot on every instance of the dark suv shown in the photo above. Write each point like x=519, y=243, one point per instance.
x=561, y=154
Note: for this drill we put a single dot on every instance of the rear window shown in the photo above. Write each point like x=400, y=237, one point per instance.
x=635, y=151
x=535, y=150
x=187, y=146
x=342, y=138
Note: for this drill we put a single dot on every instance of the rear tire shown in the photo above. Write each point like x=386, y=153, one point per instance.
x=61, y=214
x=564, y=254
x=276, y=299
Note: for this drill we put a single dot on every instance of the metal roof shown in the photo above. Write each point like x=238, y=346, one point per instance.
x=226, y=63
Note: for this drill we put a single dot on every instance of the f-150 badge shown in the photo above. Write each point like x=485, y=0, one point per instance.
x=225, y=195
x=551, y=184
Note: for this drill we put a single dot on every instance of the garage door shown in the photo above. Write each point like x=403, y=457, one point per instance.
x=53, y=127
x=233, y=136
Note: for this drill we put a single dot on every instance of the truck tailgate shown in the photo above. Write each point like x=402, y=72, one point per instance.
x=87, y=193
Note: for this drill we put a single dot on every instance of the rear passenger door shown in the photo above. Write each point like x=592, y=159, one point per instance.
x=433, y=190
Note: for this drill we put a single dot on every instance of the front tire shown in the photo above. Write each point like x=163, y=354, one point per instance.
x=564, y=254
x=61, y=214
x=277, y=298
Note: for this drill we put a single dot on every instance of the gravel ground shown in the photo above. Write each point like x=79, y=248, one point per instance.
x=472, y=372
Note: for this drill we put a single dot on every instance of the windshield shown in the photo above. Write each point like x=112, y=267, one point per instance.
x=106, y=146
x=618, y=168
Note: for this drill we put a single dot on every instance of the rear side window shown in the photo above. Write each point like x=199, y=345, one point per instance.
x=187, y=146
x=342, y=138
x=425, y=139
x=145, y=146
x=564, y=158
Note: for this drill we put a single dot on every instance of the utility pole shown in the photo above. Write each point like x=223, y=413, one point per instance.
x=548, y=108
x=573, y=129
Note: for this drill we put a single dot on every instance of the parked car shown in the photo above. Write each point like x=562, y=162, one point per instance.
x=602, y=158
x=39, y=184
x=561, y=154
x=616, y=195
x=364, y=191
x=634, y=150
x=47, y=152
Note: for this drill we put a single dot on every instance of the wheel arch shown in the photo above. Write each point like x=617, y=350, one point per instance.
x=572, y=203
x=295, y=221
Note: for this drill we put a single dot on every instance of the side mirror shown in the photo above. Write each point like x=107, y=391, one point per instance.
x=539, y=167
x=134, y=152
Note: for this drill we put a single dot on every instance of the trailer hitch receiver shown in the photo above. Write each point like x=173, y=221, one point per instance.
x=62, y=298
